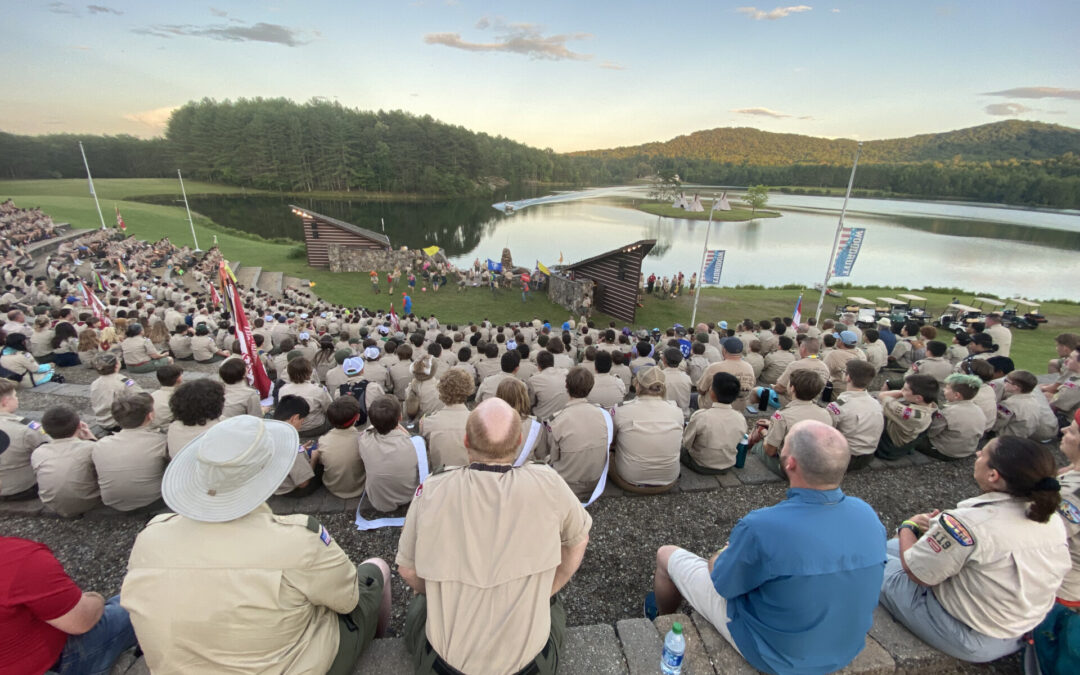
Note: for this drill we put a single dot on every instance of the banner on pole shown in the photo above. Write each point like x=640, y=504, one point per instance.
x=796, y=316
x=256, y=374
x=714, y=265
x=494, y=266
x=851, y=241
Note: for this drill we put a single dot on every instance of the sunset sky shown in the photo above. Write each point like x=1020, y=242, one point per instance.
x=564, y=75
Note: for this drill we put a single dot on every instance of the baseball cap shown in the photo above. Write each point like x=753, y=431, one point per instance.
x=723, y=325
x=353, y=366
x=732, y=345
x=847, y=337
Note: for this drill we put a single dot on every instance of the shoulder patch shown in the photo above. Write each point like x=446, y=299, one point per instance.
x=907, y=413
x=1069, y=511
x=35, y=426
x=1070, y=384
x=324, y=536
x=833, y=408
x=1003, y=410
x=129, y=382
x=956, y=530
x=777, y=415
x=915, y=366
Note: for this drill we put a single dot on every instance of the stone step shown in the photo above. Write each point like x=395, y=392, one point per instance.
x=248, y=277
x=270, y=282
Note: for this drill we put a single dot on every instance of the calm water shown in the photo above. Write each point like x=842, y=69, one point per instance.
x=908, y=244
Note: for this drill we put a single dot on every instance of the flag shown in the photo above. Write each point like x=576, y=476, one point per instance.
x=796, y=317
x=256, y=374
x=98, y=282
x=95, y=305
x=714, y=265
x=494, y=266
x=540, y=266
x=120, y=219
x=430, y=250
x=560, y=257
x=214, y=297
x=394, y=324
x=851, y=241
x=120, y=266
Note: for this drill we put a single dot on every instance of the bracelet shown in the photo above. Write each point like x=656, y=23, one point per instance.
x=910, y=525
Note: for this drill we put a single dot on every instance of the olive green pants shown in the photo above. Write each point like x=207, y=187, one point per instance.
x=357, y=628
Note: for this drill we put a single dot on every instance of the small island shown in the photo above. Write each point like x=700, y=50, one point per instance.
x=736, y=214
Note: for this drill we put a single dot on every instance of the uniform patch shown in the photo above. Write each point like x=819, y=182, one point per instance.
x=777, y=416
x=419, y=490
x=36, y=426
x=129, y=383
x=1070, y=384
x=1069, y=511
x=915, y=367
x=1003, y=411
x=908, y=412
x=833, y=408
x=324, y=536
x=956, y=530
x=936, y=547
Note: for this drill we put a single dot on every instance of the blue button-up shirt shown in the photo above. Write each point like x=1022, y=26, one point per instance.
x=802, y=579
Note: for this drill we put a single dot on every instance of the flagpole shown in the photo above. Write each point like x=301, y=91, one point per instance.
x=701, y=267
x=836, y=237
x=92, y=190
x=192, y=224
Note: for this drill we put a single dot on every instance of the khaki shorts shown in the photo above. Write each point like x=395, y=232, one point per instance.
x=357, y=628
x=691, y=576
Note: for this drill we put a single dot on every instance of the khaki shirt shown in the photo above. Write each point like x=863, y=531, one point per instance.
x=901, y=351
x=622, y=371
x=162, y=412
x=317, y=398
x=392, y=471
x=790, y=415
x=16, y=473
x=334, y=379
x=696, y=365
x=376, y=371
x=936, y=366
x=1067, y=398
x=547, y=389
x=180, y=434
x=300, y=473
x=578, y=445
x=489, y=386
x=990, y=567
x=741, y=369
x=775, y=364
x=712, y=436
x=422, y=398
x=527, y=369
x=67, y=482
x=955, y=428
x=487, y=542
x=137, y=350
x=260, y=594
x=129, y=467
x=757, y=363
x=608, y=391
x=837, y=360
x=857, y=415
x=877, y=354
x=678, y=386
x=648, y=438
x=102, y=392
x=22, y=363
x=1002, y=337
x=344, y=474
x=905, y=421
x=401, y=375
x=203, y=347
x=444, y=434
x=987, y=403
x=1028, y=416
x=812, y=362
x=486, y=367
x=180, y=346
x=1069, y=510
x=240, y=399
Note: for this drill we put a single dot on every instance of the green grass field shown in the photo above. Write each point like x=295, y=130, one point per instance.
x=70, y=201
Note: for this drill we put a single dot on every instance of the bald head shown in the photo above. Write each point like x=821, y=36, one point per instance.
x=702, y=328
x=493, y=432
x=820, y=455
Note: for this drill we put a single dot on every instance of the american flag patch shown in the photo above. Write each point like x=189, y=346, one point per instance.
x=324, y=535
x=908, y=412
x=129, y=383
x=36, y=426
x=833, y=408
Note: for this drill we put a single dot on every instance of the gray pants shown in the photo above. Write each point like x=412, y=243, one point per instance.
x=919, y=611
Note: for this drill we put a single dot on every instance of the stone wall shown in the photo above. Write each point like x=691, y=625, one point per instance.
x=352, y=259
x=566, y=293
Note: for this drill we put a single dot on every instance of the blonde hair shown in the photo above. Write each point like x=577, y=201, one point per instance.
x=88, y=340
x=513, y=391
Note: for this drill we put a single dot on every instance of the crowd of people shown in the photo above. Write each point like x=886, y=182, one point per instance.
x=20, y=227
x=495, y=438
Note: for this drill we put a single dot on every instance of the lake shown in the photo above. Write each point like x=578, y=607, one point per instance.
x=909, y=244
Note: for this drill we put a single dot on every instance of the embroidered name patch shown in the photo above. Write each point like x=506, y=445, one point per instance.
x=956, y=530
x=324, y=536
x=1069, y=511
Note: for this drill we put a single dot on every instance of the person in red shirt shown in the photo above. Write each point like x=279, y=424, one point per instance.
x=48, y=623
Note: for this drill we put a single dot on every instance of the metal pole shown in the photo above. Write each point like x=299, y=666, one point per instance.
x=836, y=237
x=192, y=224
x=92, y=190
x=701, y=267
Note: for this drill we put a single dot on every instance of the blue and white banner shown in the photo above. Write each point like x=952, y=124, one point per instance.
x=851, y=241
x=494, y=266
x=714, y=264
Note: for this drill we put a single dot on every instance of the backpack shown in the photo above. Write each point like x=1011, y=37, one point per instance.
x=357, y=390
x=10, y=375
x=1057, y=642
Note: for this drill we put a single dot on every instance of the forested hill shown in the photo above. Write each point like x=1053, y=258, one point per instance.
x=1012, y=139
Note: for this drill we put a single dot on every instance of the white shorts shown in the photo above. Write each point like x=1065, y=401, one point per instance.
x=691, y=576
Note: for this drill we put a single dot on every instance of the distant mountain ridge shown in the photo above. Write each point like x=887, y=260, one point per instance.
x=1010, y=139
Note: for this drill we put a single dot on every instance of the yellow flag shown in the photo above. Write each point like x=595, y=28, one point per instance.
x=540, y=266
x=560, y=257
x=431, y=250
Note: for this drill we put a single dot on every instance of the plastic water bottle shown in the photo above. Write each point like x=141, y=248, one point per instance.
x=740, y=451
x=674, y=648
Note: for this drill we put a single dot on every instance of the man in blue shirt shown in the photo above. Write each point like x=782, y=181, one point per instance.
x=795, y=588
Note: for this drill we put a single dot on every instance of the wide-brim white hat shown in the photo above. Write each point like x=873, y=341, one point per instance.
x=225, y=473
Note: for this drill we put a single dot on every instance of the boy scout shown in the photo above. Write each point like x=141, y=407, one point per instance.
x=908, y=413
x=935, y=364
x=1025, y=412
x=608, y=391
x=1067, y=399
x=777, y=361
x=838, y=359
x=389, y=456
x=130, y=463
x=169, y=377
x=768, y=437
x=109, y=384
x=733, y=363
x=240, y=398
x=677, y=382
x=285, y=596
x=577, y=437
x=17, y=481
x=547, y=388
x=648, y=437
x=343, y=470
x=444, y=431
x=508, y=363
x=956, y=428
x=857, y=415
x=527, y=513
x=710, y=441
x=67, y=481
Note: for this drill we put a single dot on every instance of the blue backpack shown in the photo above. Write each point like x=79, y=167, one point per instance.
x=1057, y=642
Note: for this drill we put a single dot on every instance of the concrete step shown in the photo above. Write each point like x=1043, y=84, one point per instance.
x=270, y=282
x=248, y=277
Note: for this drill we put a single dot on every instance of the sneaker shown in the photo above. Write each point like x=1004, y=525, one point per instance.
x=649, y=608
x=752, y=410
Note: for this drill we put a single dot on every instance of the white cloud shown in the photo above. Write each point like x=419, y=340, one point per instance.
x=834, y=10
x=1008, y=109
x=515, y=38
x=772, y=14
x=155, y=119
x=1037, y=92
x=609, y=65
x=761, y=112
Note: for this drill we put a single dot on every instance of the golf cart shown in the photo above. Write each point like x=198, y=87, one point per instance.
x=1022, y=314
x=895, y=310
x=865, y=311
x=957, y=316
x=916, y=308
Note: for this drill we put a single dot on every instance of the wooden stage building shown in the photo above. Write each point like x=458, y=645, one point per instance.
x=321, y=231
x=616, y=274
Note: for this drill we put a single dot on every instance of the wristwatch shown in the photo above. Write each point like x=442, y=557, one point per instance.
x=907, y=525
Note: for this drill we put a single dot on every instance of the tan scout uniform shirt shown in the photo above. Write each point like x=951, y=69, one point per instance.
x=1067, y=397
x=905, y=421
x=422, y=398
x=486, y=367
x=608, y=391
x=837, y=360
x=444, y=434
x=678, y=387
x=712, y=435
x=180, y=346
x=936, y=366
x=1002, y=337
x=23, y=364
x=1069, y=510
x=240, y=399
x=401, y=374
x=775, y=364
x=578, y=445
x=299, y=473
x=344, y=474
x=317, y=398
x=1027, y=416
x=180, y=434
x=137, y=350
x=757, y=363
x=67, y=483
x=857, y=416
x=812, y=362
x=487, y=542
x=955, y=429
x=392, y=471
x=102, y=392
x=547, y=389
x=203, y=347
x=162, y=413
x=262, y=595
x=741, y=369
x=16, y=473
x=696, y=365
x=648, y=438
x=129, y=467
x=990, y=567
x=489, y=386
x=901, y=351
x=987, y=403
x=877, y=354
x=790, y=415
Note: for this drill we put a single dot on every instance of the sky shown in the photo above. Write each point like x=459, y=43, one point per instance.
x=566, y=75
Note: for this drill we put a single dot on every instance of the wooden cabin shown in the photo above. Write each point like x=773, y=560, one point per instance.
x=616, y=275
x=321, y=231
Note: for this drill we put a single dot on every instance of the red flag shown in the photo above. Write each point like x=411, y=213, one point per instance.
x=256, y=374
x=214, y=297
x=120, y=220
x=95, y=305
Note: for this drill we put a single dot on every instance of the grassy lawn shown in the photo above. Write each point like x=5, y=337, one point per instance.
x=69, y=201
x=736, y=214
